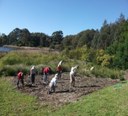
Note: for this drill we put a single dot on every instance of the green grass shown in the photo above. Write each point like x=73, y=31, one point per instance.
x=110, y=101
x=13, y=61
x=14, y=103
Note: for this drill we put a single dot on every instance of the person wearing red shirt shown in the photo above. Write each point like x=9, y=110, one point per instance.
x=20, y=78
x=59, y=69
x=46, y=71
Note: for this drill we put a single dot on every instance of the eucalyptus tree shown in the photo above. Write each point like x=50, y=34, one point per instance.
x=3, y=39
x=57, y=37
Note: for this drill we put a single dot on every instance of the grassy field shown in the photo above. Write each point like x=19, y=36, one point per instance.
x=110, y=101
x=14, y=103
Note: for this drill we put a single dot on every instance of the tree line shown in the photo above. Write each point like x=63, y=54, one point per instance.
x=107, y=46
x=22, y=37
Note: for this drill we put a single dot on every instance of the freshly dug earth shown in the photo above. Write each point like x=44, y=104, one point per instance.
x=64, y=93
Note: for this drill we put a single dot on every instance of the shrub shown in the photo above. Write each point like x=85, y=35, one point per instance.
x=14, y=61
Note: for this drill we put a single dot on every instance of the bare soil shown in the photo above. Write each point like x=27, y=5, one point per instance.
x=64, y=93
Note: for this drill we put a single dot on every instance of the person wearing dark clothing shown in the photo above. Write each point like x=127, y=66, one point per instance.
x=32, y=74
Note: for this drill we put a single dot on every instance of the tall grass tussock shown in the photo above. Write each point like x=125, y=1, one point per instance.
x=13, y=61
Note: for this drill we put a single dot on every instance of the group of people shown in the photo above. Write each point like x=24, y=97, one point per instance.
x=20, y=76
x=46, y=71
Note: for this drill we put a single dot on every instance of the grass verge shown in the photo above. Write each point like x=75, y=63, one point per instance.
x=111, y=101
x=14, y=103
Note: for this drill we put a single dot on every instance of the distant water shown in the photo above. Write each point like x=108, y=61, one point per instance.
x=5, y=49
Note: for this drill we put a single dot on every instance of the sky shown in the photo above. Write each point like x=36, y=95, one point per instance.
x=69, y=16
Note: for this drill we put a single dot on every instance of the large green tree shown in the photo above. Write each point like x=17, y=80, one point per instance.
x=119, y=48
x=14, y=36
x=3, y=39
x=57, y=37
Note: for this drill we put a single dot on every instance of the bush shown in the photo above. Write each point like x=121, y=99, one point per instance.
x=8, y=71
x=14, y=61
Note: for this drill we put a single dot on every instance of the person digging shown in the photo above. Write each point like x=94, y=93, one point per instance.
x=52, y=84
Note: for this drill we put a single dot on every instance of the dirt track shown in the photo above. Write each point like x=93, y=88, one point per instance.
x=64, y=94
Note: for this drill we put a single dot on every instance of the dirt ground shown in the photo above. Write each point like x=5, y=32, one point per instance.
x=64, y=93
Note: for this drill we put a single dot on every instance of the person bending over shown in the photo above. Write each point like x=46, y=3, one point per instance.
x=72, y=75
x=52, y=84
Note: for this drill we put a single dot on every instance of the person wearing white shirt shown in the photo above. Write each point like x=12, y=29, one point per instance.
x=72, y=75
x=52, y=84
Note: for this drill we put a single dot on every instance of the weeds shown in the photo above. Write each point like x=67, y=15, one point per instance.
x=13, y=61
